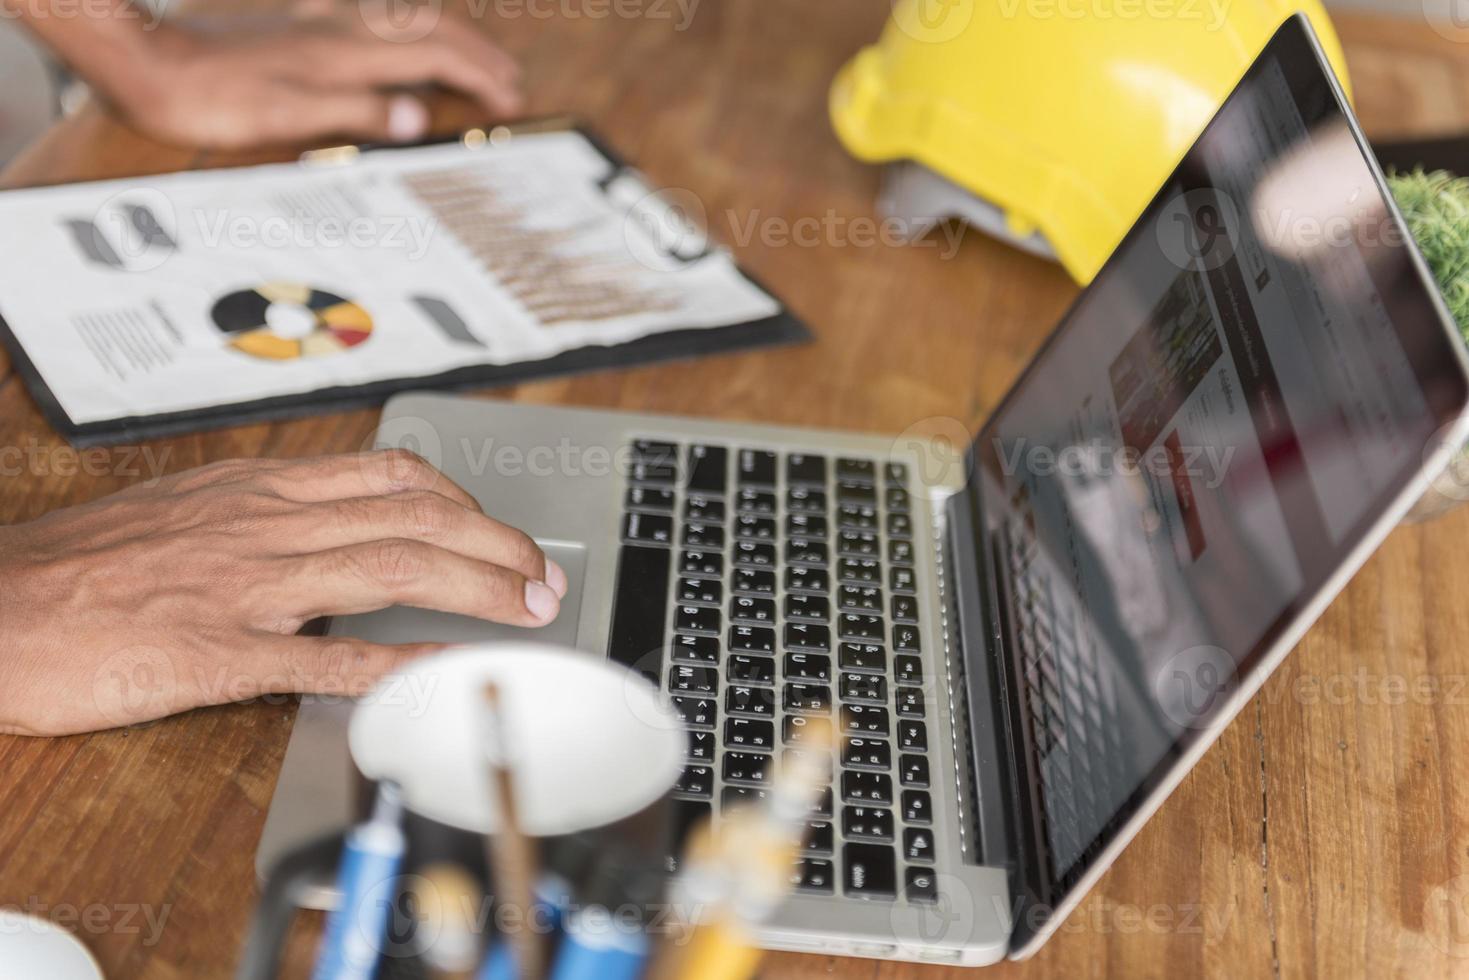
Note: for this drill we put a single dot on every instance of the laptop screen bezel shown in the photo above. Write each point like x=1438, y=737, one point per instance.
x=1041, y=902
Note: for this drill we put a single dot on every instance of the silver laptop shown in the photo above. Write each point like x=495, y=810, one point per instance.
x=1025, y=645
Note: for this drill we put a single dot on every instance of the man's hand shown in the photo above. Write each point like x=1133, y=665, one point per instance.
x=190, y=592
x=338, y=73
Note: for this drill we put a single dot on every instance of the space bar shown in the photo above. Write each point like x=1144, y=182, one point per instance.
x=640, y=613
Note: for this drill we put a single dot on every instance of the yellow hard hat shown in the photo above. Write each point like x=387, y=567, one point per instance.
x=1064, y=116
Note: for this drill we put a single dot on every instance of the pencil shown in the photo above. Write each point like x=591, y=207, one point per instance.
x=512, y=855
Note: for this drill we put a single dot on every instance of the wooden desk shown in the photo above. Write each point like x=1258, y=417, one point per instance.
x=1324, y=834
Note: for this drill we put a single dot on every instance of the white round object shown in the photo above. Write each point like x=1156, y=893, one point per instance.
x=589, y=743
x=32, y=947
x=290, y=321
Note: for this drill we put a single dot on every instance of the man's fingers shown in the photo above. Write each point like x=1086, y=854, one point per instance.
x=376, y=473
x=366, y=577
x=334, y=665
x=294, y=113
x=418, y=515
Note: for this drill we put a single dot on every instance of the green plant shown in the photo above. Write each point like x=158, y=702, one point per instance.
x=1437, y=208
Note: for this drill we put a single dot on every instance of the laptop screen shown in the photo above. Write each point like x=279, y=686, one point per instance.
x=1245, y=389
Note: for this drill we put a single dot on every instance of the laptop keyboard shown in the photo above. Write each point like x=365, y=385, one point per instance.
x=763, y=590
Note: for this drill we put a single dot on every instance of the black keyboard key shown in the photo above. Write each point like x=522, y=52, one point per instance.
x=917, y=808
x=808, y=608
x=749, y=733
x=807, y=698
x=806, y=500
x=863, y=629
x=741, y=668
x=813, y=876
x=696, y=781
x=816, y=837
x=697, y=712
x=794, y=729
x=863, y=656
x=900, y=526
x=754, y=554
x=918, y=844
x=655, y=451
x=808, y=526
x=687, y=816
x=734, y=797
x=701, y=563
x=862, y=517
x=873, y=788
x=896, y=474
x=913, y=771
x=810, y=667
x=708, y=469
x=902, y=579
x=748, y=767
x=649, y=498
x=755, y=527
x=906, y=639
x=708, y=591
x=910, y=702
x=747, y=700
x=896, y=500
x=703, y=537
x=867, y=753
x=696, y=650
x=922, y=886
x=912, y=736
x=905, y=609
x=822, y=808
x=867, y=822
x=908, y=669
x=809, y=637
x=861, y=599
x=861, y=494
x=752, y=639
x=821, y=762
x=752, y=609
x=687, y=679
x=863, y=719
x=858, y=544
x=698, y=619
x=811, y=580
x=756, y=468
x=870, y=871
x=900, y=552
x=653, y=471
x=754, y=581
x=800, y=551
x=860, y=571
x=701, y=746
x=805, y=470
x=751, y=500
x=856, y=471
x=640, y=610
x=867, y=688
x=703, y=510
x=647, y=528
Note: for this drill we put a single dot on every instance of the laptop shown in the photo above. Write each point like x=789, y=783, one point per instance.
x=1025, y=646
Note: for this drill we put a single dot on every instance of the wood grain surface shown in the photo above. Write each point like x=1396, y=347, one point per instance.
x=1326, y=834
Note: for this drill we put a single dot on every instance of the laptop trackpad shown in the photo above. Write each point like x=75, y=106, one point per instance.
x=404, y=625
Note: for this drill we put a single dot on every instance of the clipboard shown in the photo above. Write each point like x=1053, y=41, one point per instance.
x=666, y=344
